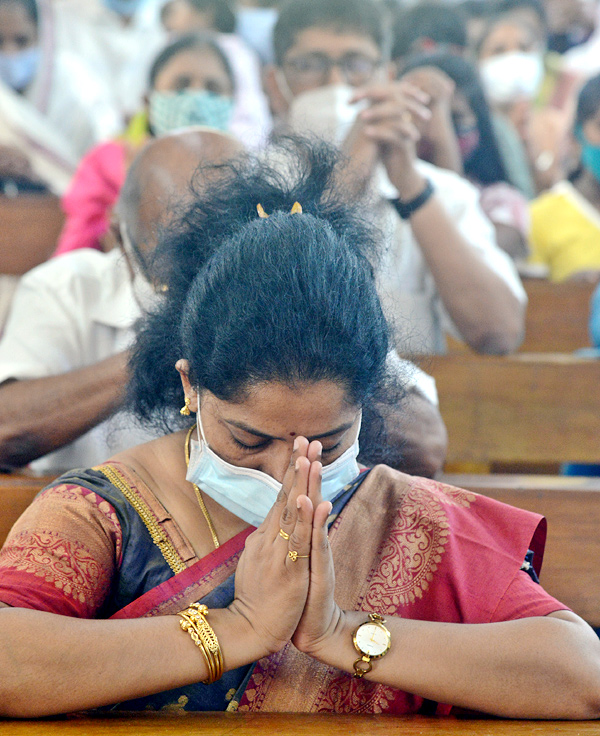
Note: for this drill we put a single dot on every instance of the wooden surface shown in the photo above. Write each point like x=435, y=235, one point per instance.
x=533, y=408
x=556, y=320
x=571, y=569
x=29, y=228
x=557, y=316
x=17, y=491
x=285, y=724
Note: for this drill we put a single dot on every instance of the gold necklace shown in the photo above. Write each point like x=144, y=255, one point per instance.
x=211, y=526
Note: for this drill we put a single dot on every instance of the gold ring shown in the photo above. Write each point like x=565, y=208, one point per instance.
x=293, y=555
x=283, y=534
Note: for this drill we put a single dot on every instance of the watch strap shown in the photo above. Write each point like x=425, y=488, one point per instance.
x=407, y=209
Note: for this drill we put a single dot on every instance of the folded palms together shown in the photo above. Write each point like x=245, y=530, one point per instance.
x=281, y=598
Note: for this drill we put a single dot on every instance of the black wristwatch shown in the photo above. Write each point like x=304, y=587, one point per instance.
x=407, y=209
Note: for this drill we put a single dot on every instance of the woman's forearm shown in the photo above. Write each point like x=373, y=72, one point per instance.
x=55, y=664
x=542, y=667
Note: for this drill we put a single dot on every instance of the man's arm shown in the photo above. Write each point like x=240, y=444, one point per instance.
x=41, y=415
x=479, y=301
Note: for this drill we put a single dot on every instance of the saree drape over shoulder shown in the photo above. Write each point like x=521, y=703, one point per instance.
x=98, y=544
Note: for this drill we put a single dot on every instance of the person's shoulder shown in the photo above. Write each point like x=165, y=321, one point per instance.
x=413, y=486
x=81, y=264
x=547, y=201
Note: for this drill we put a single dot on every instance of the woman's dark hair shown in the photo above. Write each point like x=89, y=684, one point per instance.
x=222, y=12
x=485, y=164
x=428, y=21
x=364, y=17
x=30, y=6
x=588, y=101
x=198, y=41
x=288, y=298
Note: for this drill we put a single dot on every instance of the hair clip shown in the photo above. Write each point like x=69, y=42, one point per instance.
x=296, y=210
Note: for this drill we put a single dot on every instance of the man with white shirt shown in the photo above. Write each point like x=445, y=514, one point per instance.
x=63, y=355
x=442, y=271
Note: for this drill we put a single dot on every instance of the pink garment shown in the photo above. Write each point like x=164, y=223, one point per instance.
x=506, y=205
x=91, y=196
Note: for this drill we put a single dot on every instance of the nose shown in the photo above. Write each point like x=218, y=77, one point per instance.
x=336, y=76
x=277, y=461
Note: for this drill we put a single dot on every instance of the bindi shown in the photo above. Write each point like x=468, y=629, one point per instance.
x=292, y=434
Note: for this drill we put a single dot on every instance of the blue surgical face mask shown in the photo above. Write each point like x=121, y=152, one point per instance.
x=126, y=8
x=590, y=154
x=18, y=70
x=248, y=493
x=174, y=110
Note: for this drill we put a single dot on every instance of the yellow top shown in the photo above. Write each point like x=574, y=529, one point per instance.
x=565, y=232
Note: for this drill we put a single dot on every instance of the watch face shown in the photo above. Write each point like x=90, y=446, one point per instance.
x=372, y=639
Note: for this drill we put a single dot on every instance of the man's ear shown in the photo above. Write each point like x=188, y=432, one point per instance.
x=279, y=99
x=183, y=368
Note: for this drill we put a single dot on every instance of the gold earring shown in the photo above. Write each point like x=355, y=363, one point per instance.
x=185, y=411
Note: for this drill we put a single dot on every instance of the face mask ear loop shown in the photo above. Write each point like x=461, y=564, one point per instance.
x=283, y=85
x=201, y=434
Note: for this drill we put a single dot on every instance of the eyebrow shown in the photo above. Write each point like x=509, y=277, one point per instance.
x=251, y=430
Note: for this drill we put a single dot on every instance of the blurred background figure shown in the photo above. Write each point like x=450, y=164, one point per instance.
x=527, y=87
x=565, y=232
x=251, y=120
x=53, y=107
x=460, y=136
x=255, y=21
x=119, y=38
x=190, y=84
x=427, y=27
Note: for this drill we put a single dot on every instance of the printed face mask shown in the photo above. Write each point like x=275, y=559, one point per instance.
x=249, y=493
x=18, y=70
x=170, y=111
x=325, y=112
x=512, y=76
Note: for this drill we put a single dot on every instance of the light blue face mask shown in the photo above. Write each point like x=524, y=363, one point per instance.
x=249, y=494
x=174, y=110
x=18, y=70
x=126, y=8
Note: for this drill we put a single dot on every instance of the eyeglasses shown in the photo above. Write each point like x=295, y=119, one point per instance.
x=315, y=69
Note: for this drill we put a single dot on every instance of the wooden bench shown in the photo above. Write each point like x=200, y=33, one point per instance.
x=571, y=569
x=556, y=320
x=29, y=228
x=290, y=724
x=557, y=316
x=17, y=491
x=532, y=408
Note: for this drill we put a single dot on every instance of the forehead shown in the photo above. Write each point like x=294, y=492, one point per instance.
x=201, y=61
x=278, y=409
x=333, y=42
x=15, y=19
x=508, y=33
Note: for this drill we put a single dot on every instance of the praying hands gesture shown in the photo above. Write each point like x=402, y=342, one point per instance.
x=287, y=562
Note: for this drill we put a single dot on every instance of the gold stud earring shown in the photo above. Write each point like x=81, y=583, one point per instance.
x=185, y=411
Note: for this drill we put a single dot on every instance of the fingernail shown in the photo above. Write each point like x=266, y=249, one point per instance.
x=298, y=504
x=296, y=443
x=297, y=465
x=330, y=508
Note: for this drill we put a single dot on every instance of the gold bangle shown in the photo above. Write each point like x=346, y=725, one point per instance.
x=193, y=620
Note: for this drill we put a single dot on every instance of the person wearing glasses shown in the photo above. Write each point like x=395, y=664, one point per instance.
x=442, y=271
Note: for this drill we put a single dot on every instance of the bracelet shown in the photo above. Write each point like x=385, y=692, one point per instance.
x=407, y=209
x=193, y=620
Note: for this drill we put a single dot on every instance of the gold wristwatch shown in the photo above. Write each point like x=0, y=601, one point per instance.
x=372, y=641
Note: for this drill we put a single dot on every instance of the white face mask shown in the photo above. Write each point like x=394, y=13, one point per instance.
x=325, y=112
x=512, y=76
x=248, y=493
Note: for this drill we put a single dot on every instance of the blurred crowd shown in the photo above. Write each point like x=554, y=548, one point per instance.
x=493, y=106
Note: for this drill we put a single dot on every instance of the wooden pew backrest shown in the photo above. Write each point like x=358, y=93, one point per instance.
x=16, y=493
